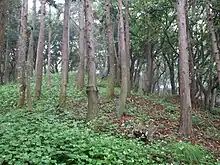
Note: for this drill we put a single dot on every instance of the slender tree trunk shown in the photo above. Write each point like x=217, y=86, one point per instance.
x=127, y=43
x=40, y=49
x=7, y=65
x=17, y=58
x=111, y=76
x=49, y=50
x=215, y=48
x=191, y=62
x=124, y=66
x=118, y=58
x=22, y=53
x=132, y=70
x=213, y=99
x=149, y=72
x=91, y=89
x=172, y=79
x=34, y=10
x=81, y=69
x=185, y=100
x=29, y=70
x=3, y=19
x=65, y=53
x=137, y=75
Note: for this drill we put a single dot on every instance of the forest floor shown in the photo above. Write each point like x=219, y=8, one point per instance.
x=59, y=135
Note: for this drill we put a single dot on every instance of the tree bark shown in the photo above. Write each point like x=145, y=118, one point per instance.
x=213, y=99
x=185, y=100
x=149, y=72
x=29, y=71
x=111, y=76
x=124, y=66
x=40, y=49
x=127, y=44
x=91, y=89
x=34, y=17
x=3, y=19
x=22, y=54
x=7, y=65
x=81, y=69
x=172, y=78
x=118, y=58
x=65, y=53
x=49, y=50
x=215, y=48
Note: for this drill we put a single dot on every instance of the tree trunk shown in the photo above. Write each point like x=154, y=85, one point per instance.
x=127, y=43
x=49, y=50
x=149, y=72
x=213, y=99
x=3, y=19
x=29, y=70
x=185, y=100
x=172, y=78
x=65, y=53
x=40, y=49
x=215, y=48
x=81, y=70
x=34, y=17
x=91, y=89
x=22, y=53
x=124, y=66
x=118, y=58
x=7, y=65
x=111, y=76
x=191, y=63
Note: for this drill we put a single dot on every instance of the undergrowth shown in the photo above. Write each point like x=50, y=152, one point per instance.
x=59, y=135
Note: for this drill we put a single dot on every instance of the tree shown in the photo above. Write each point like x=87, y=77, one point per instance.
x=22, y=53
x=29, y=69
x=111, y=51
x=40, y=51
x=185, y=101
x=91, y=89
x=149, y=71
x=49, y=50
x=124, y=77
x=3, y=19
x=215, y=47
x=80, y=75
x=65, y=53
x=127, y=43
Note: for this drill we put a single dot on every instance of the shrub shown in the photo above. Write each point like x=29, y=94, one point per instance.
x=191, y=154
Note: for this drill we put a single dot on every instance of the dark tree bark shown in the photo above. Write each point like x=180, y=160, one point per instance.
x=3, y=19
x=149, y=72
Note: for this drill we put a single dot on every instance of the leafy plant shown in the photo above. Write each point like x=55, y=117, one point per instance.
x=188, y=153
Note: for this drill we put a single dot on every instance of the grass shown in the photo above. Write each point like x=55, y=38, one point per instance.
x=59, y=135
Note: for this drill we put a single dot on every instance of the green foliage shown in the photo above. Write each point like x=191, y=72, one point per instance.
x=8, y=97
x=51, y=135
x=39, y=138
x=188, y=153
x=198, y=121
